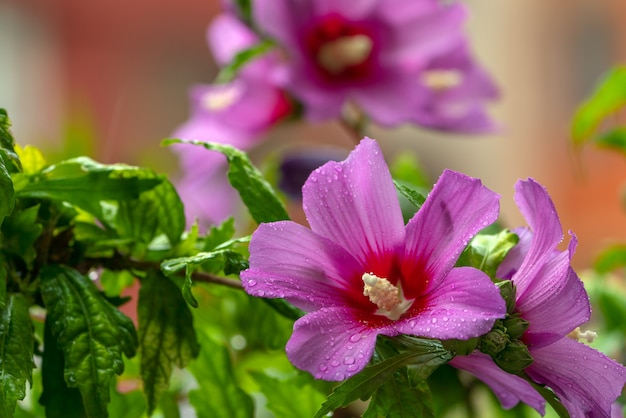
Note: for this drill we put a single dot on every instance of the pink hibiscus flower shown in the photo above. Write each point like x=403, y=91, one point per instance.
x=359, y=271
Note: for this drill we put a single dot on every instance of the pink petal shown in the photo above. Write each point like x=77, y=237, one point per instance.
x=540, y=214
x=398, y=12
x=464, y=305
x=330, y=345
x=510, y=389
x=279, y=18
x=289, y=261
x=456, y=209
x=354, y=204
x=586, y=381
x=515, y=257
x=354, y=10
x=227, y=35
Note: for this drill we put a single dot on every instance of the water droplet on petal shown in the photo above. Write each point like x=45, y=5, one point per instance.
x=412, y=323
x=348, y=360
x=323, y=367
x=434, y=320
x=352, y=367
x=334, y=363
x=340, y=376
x=355, y=338
x=261, y=293
x=251, y=283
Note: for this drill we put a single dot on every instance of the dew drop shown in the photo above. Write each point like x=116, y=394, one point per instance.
x=355, y=338
x=434, y=320
x=252, y=283
x=445, y=319
x=412, y=323
x=261, y=293
x=352, y=367
x=348, y=360
x=323, y=367
x=334, y=363
x=340, y=376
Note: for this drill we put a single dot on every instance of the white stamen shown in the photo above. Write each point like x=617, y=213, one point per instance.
x=578, y=335
x=389, y=298
x=442, y=79
x=218, y=100
x=337, y=55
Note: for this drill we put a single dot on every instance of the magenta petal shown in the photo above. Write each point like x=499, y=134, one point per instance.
x=277, y=19
x=351, y=10
x=464, y=305
x=227, y=35
x=457, y=208
x=289, y=261
x=515, y=257
x=586, y=381
x=329, y=345
x=354, y=204
x=540, y=214
x=510, y=389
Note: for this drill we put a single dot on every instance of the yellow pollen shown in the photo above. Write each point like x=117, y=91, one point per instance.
x=218, y=100
x=578, y=335
x=337, y=55
x=442, y=79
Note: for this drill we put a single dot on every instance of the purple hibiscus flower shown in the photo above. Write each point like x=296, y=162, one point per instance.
x=359, y=271
x=551, y=297
x=373, y=53
x=235, y=113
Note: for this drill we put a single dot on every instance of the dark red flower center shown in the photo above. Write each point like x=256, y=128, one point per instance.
x=340, y=49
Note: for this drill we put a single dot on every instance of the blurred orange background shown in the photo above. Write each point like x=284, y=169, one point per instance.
x=123, y=69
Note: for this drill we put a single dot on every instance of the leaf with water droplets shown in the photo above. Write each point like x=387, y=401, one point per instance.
x=294, y=396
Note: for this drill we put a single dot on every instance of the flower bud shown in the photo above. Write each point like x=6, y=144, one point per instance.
x=507, y=291
x=515, y=326
x=514, y=358
x=493, y=342
x=460, y=347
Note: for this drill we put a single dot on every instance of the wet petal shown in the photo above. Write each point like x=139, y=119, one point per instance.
x=289, y=261
x=540, y=214
x=586, y=381
x=457, y=208
x=464, y=305
x=354, y=204
x=509, y=389
x=330, y=345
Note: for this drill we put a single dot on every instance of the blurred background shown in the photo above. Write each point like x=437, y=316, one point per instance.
x=118, y=72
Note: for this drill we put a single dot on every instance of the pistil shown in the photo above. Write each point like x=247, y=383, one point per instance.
x=387, y=297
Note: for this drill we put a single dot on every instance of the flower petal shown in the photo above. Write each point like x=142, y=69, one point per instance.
x=289, y=261
x=586, y=381
x=508, y=388
x=354, y=204
x=351, y=10
x=329, y=345
x=540, y=214
x=280, y=18
x=227, y=35
x=457, y=208
x=464, y=305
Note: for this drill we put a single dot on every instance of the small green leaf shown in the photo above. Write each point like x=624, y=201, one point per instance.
x=16, y=353
x=84, y=183
x=59, y=400
x=91, y=333
x=416, y=198
x=550, y=397
x=31, y=158
x=217, y=235
x=166, y=334
x=611, y=259
x=614, y=139
x=608, y=98
x=397, y=398
x=230, y=71
x=20, y=231
x=8, y=157
x=486, y=252
x=294, y=396
x=214, y=374
x=424, y=354
x=256, y=193
x=127, y=405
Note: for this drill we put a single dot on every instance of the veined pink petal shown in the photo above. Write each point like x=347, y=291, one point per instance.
x=510, y=389
x=515, y=257
x=227, y=35
x=586, y=381
x=464, y=305
x=456, y=209
x=330, y=346
x=354, y=204
x=292, y=262
x=538, y=210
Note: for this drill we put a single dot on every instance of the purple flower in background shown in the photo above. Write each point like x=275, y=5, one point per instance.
x=359, y=271
x=551, y=297
x=377, y=55
x=235, y=113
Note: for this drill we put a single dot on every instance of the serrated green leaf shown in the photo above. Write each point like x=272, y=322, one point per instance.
x=230, y=71
x=486, y=252
x=84, y=183
x=217, y=235
x=166, y=334
x=397, y=398
x=608, y=97
x=8, y=157
x=59, y=400
x=256, y=193
x=416, y=198
x=611, y=258
x=91, y=333
x=16, y=352
x=20, y=231
x=294, y=396
x=158, y=210
x=218, y=394
x=424, y=354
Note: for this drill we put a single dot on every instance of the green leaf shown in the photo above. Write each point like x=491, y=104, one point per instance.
x=16, y=352
x=416, y=198
x=230, y=71
x=397, y=398
x=218, y=235
x=20, y=231
x=218, y=394
x=31, y=158
x=424, y=357
x=256, y=193
x=84, y=183
x=158, y=210
x=614, y=139
x=294, y=396
x=611, y=259
x=608, y=98
x=91, y=333
x=166, y=334
x=59, y=400
x=486, y=252
x=8, y=157
x=127, y=405
x=550, y=397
